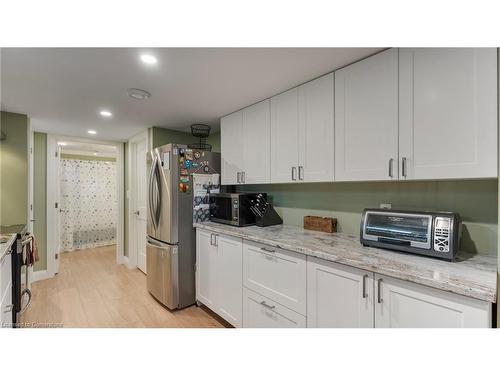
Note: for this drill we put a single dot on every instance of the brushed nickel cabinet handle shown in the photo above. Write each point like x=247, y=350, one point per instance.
x=301, y=173
x=243, y=177
x=403, y=166
x=263, y=303
x=379, y=291
x=294, y=171
x=365, y=295
x=390, y=167
x=268, y=250
x=237, y=177
x=211, y=239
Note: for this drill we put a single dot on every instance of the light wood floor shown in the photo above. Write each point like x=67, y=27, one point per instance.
x=91, y=290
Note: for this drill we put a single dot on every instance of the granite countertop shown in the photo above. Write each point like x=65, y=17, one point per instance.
x=471, y=275
x=5, y=246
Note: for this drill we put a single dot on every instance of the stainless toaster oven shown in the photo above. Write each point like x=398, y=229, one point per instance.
x=436, y=234
x=233, y=208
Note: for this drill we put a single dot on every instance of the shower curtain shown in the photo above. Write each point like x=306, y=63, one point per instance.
x=88, y=204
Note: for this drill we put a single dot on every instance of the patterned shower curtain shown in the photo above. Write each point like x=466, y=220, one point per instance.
x=88, y=204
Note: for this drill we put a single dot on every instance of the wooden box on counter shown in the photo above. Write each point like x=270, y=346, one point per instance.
x=320, y=224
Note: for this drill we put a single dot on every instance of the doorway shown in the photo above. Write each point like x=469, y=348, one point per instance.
x=84, y=197
x=139, y=146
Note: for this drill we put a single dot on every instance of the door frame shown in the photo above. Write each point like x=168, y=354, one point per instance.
x=53, y=196
x=131, y=193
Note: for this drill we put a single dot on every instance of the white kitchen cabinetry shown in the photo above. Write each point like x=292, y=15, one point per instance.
x=231, y=143
x=302, y=133
x=285, y=136
x=316, y=130
x=448, y=112
x=6, y=291
x=245, y=145
x=262, y=312
x=366, y=119
x=277, y=274
x=219, y=275
x=338, y=296
x=401, y=304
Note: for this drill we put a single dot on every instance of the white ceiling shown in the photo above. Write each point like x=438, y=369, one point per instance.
x=62, y=90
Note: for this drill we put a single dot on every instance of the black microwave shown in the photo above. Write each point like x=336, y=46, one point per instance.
x=233, y=208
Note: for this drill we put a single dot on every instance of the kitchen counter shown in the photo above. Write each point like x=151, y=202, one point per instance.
x=471, y=275
x=5, y=246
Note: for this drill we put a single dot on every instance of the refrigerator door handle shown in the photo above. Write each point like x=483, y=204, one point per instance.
x=158, y=193
x=150, y=193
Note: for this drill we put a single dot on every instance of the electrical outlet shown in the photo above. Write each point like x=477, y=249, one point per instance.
x=386, y=206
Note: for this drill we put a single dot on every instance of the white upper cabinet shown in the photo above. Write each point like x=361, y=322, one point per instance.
x=231, y=134
x=256, y=144
x=366, y=119
x=448, y=112
x=285, y=137
x=316, y=130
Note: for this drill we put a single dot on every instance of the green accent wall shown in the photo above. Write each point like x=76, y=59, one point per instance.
x=214, y=140
x=475, y=200
x=14, y=169
x=161, y=136
x=40, y=197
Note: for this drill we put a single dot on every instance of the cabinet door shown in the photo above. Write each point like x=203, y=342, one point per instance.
x=338, y=296
x=257, y=143
x=402, y=304
x=229, y=297
x=231, y=143
x=284, y=136
x=262, y=312
x=448, y=112
x=316, y=123
x=366, y=119
x=206, y=271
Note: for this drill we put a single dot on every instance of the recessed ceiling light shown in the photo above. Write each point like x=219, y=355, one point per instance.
x=93, y=132
x=62, y=143
x=148, y=59
x=105, y=113
x=138, y=94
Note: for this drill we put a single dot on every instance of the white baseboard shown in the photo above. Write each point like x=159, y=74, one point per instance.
x=40, y=275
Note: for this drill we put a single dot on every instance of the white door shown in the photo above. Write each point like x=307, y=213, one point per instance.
x=257, y=143
x=231, y=140
x=448, y=112
x=140, y=203
x=401, y=304
x=284, y=137
x=338, y=296
x=366, y=119
x=316, y=122
x=59, y=210
x=206, y=263
x=229, y=289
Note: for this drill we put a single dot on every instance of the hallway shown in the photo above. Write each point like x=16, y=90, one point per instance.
x=91, y=290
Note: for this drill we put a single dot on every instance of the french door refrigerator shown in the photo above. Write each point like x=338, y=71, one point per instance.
x=170, y=248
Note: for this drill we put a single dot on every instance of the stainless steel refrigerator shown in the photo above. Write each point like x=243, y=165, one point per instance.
x=170, y=252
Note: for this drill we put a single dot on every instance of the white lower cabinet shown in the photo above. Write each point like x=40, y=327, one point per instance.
x=6, y=292
x=402, y=304
x=338, y=296
x=219, y=275
x=258, y=286
x=263, y=312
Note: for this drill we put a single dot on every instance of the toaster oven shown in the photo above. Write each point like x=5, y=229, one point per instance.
x=436, y=234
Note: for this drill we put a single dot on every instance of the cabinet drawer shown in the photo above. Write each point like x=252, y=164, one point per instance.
x=277, y=274
x=5, y=274
x=262, y=312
